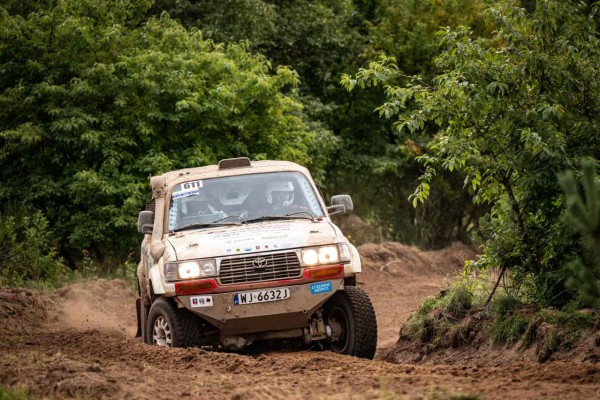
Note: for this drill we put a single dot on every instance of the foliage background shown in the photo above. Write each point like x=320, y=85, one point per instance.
x=471, y=109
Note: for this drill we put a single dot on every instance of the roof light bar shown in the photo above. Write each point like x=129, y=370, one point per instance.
x=239, y=162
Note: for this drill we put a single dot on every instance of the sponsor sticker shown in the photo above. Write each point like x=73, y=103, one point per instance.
x=201, y=301
x=181, y=194
x=188, y=189
x=321, y=287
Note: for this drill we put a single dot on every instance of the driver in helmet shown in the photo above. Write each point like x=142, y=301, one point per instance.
x=280, y=195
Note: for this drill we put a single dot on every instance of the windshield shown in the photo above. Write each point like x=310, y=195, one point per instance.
x=241, y=199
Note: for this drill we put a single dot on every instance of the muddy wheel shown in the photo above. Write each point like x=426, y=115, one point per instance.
x=351, y=317
x=168, y=326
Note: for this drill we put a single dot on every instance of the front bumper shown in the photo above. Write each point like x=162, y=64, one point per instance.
x=236, y=319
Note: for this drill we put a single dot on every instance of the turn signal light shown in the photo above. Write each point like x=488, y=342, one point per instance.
x=328, y=272
x=194, y=287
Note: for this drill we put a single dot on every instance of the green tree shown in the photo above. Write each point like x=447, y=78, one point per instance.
x=322, y=39
x=319, y=39
x=407, y=30
x=509, y=112
x=583, y=216
x=94, y=100
x=376, y=161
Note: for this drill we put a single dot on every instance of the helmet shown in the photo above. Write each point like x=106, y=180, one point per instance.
x=280, y=187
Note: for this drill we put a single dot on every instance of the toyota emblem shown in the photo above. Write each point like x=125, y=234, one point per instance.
x=260, y=263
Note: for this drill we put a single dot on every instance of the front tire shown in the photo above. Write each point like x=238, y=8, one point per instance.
x=351, y=314
x=168, y=326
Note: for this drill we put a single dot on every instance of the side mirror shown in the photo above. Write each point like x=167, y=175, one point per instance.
x=145, y=222
x=340, y=204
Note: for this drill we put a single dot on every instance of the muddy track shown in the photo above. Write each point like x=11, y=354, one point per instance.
x=109, y=365
x=78, y=343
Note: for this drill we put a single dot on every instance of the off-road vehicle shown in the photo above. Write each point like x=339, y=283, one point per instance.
x=246, y=251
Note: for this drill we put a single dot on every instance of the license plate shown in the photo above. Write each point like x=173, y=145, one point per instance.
x=261, y=296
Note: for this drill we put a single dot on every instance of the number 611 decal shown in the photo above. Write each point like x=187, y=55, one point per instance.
x=188, y=189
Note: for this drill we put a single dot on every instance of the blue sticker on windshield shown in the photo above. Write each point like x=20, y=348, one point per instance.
x=321, y=287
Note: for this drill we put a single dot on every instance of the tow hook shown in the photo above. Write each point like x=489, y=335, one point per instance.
x=317, y=330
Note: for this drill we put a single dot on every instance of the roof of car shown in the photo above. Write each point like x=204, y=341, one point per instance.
x=213, y=171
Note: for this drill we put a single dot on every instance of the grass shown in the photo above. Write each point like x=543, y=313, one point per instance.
x=456, y=318
x=571, y=320
x=427, y=306
x=438, y=314
x=460, y=302
x=508, y=330
x=530, y=334
x=437, y=394
x=13, y=393
x=503, y=304
x=433, y=393
x=551, y=341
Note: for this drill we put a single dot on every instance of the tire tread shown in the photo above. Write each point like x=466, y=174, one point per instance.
x=365, y=322
x=186, y=327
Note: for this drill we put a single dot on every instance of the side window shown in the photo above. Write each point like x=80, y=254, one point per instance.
x=174, y=215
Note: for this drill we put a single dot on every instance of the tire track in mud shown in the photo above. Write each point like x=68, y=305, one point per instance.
x=78, y=343
x=109, y=365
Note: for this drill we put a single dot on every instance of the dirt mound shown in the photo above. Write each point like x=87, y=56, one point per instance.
x=100, y=304
x=398, y=278
x=479, y=339
x=402, y=260
x=357, y=230
x=77, y=379
x=22, y=308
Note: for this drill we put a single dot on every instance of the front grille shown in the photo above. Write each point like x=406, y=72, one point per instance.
x=244, y=269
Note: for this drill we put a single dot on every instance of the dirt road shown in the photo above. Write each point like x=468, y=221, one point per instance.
x=78, y=343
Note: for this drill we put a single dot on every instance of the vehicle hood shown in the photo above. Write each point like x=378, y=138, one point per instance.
x=251, y=238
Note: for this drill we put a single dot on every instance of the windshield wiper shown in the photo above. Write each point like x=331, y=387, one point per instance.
x=242, y=219
x=294, y=215
x=213, y=223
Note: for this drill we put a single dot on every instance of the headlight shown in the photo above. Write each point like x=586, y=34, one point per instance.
x=175, y=271
x=188, y=270
x=320, y=255
x=310, y=257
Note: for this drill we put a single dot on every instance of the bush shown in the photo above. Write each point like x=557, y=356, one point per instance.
x=28, y=256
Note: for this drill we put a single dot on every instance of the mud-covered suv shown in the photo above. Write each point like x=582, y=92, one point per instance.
x=246, y=251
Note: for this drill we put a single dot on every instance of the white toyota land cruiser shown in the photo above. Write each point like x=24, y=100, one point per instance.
x=246, y=251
